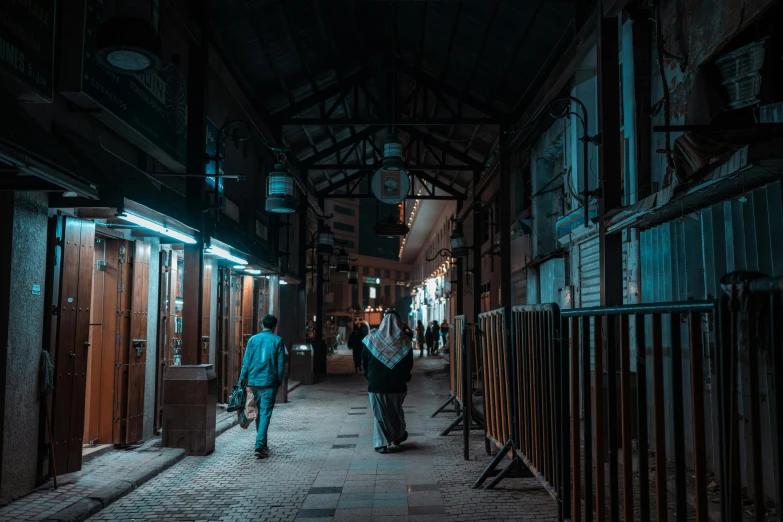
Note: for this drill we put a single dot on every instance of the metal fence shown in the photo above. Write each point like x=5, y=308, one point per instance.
x=614, y=413
x=596, y=402
x=750, y=367
x=539, y=389
x=496, y=365
x=464, y=381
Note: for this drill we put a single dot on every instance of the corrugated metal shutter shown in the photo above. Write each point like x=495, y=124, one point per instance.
x=589, y=284
x=685, y=259
x=520, y=291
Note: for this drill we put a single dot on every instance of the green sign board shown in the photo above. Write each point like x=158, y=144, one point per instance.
x=155, y=105
x=212, y=131
x=27, y=43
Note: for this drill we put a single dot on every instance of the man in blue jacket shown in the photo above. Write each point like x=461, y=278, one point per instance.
x=263, y=370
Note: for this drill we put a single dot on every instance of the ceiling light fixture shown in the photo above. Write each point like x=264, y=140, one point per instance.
x=156, y=227
x=225, y=254
x=127, y=42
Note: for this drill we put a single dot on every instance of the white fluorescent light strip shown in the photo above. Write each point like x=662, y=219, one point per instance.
x=157, y=227
x=252, y=272
x=225, y=254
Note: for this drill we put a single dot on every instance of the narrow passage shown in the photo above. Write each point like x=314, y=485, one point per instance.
x=323, y=467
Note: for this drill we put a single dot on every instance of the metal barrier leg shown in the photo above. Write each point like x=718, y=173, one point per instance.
x=515, y=468
x=450, y=400
x=452, y=425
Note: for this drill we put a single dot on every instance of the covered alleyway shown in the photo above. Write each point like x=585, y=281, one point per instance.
x=323, y=467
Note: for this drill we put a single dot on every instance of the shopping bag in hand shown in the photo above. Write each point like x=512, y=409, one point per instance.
x=250, y=412
x=237, y=400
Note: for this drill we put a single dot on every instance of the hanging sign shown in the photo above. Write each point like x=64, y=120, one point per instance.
x=149, y=110
x=390, y=186
x=27, y=46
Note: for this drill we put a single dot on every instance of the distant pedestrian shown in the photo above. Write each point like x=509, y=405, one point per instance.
x=429, y=339
x=388, y=360
x=263, y=369
x=435, y=327
x=360, y=331
x=444, y=332
x=420, y=337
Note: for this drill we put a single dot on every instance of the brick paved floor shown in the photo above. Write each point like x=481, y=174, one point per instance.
x=323, y=466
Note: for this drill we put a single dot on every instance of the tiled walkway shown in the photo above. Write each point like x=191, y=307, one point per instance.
x=323, y=466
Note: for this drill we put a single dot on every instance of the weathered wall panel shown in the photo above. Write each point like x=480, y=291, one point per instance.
x=23, y=345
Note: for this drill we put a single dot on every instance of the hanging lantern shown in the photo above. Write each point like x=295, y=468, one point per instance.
x=343, y=261
x=325, y=241
x=392, y=154
x=127, y=41
x=353, y=276
x=280, y=191
x=458, y=246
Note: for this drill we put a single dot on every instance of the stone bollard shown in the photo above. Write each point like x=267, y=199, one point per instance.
x=189, y=408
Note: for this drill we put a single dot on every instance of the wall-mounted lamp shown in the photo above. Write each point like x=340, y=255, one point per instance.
x=280, y=191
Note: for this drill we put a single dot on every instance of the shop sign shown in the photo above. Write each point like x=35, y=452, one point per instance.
x=372, y=280
x=154, y=105
x=212, y=131
x=27, y=44
x=575, y=219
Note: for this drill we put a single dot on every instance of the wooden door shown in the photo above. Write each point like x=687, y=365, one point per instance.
x=137, y=356
x=103, y=328
x=95, y=353
x=163, y=334
x=237, y=285
x=206, y=315
x=122, y=345
x=223, y=350
x=247, y=315
x=75, y=266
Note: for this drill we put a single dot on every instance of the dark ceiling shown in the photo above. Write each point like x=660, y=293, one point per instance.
x=460, y=69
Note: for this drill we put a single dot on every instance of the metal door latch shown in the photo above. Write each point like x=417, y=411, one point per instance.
x=139, y=345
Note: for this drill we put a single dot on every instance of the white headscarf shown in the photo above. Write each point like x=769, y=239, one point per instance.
x=389, y=343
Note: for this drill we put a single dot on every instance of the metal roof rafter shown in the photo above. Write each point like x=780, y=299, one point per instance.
x=427, y=139
x=359, y=136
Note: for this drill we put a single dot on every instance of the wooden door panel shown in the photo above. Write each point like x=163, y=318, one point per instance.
x=163, y=334
x=247, y=315
x=206, y=313
x=121, y=346
x=223, y=340
x=93, y=396
x=81, y=342
x=72, y=341
x=109, y=341
x=63, y=362
x=238, y=347
x=137, y=355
